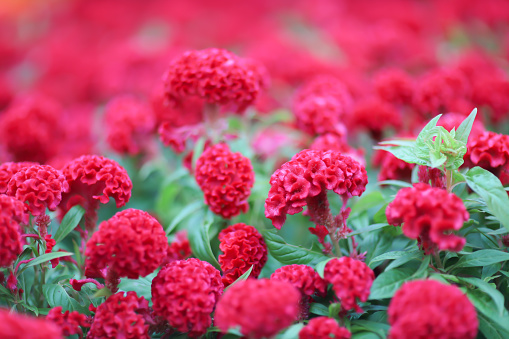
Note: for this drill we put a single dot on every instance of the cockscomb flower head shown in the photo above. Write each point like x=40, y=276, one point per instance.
x=429, y=214
x=121, y=317
x=324, y=85
x=490, y=151
x=185, y=293
x=375, y=116
x=179, y=249
x=335, y=142
x=8, y=169
x=351, y=281
x=392, y=168
x=394, y=86
x=319, y=114
x=68, y=322
x=226, y=179
x=130, y=244
x=19, y=326
x=324, y=328
x=13, y=209
x=307, y=175
x=10, y=243
x=40, y=186
x=424, y=309
x=242, y=246
x=258, y=308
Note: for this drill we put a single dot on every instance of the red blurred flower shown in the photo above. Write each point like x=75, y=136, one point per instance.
x=177, y=137
x=184, y=113
x=351, y=279
x=319, y=114
x=185, y=293
x=375, y=116
x=434, y=177
x=226, y=180
x=242, y=246
x=179, y=249
x=10, y=244
x=429, y=214
x=68, y=322
x=490, y=151
x=324, y=328
x=41, y=186
x=258, y=308
x=324, y=86
x=19, y=326
x=394, y=85
x=121, y=317
x=335, y=142
x=392, y=168
x=425, y=309
x=8, y=169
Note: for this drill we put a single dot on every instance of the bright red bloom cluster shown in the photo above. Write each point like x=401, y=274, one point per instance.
x=8, y=169
x=259, y=308
x=41, y=186
x=185, y=293
x=242, y=246
x=424, y=309
x=490, y=151
x=17, y=326
x=226, y=179
x=429, y=214
x=121, y=317
x=392, y=168
x=336, y=142
x=375, y=116
x=12, y=212
x=68, y=322
x=308, y=174
x=179, y=249
x=131, y=244
x=394, y=85
x=129, y=124
x=302, y=277
x=215, y=75
x=434, y=177
x=351, y=279
x=324, y=328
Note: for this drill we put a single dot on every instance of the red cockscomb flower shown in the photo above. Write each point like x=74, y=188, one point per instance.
x=429, y=214
x=185, y=293
x=394, y=85
x=41, y=186
x=351, y=280
x=490, y=151
x=121, y=317
x=226, y=179
x=326, y=86
x=258, y=308
x=242, y=246
x=319, y=114
x=179, y=249
x=392, y=168
x=375, y=116
x=307, y=175
x=10, y=243
x=324, y=328
x=8, y=169
x=335, y=142
x=425, y=309
x=18, y=326
x=131, y=244
x=68, y=322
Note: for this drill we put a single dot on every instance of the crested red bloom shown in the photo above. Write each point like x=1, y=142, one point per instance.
x=258, y=308
x=183, y=113
x=129, y=124
x=490, y=151
x=324, y=328
x=324, y=86
x=179, y=249
x=8, y=169
x=131, y=244
x=185, y=293
x=177, y=137
x=375, y=116
x=41, y=186
x=319, y=114
x=307, y=175
x=424, y=309
x=19, y=326
x=226, y=180
x=68, y=322
x=242, y=246
x=10, y=243
x=121, y=317
x=351, y=280
x=429, y=214
x=392, y=168
x=395, y=86
x=434, y=177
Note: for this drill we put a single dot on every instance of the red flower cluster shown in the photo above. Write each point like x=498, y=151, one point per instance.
x=17, y=326
x=425, y=309
x=215, y=75
x=242, y=246
x=68, y=322
x=185, y=293
x=8, y=169
x=351, y=279
x=131, y=244
x=490, y=151
x=226, y=179
x=395, y=86
x=41, y=186
x=434, y=177
x=324, y=328
x=129, y=124
x=336, y=142
x=12, y=213
x=392, y=168
x=259, y=308
x=375, y=116
x=179, y=249
x=308, y=174
x=429, y=214
x=121, y=317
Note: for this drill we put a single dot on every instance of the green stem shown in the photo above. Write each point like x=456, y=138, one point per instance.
x=438, y=261
x=448, y=180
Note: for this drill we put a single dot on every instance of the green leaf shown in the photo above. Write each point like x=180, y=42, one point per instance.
x=368, y=229
x=366, y=202
x=481, y=258
x=242, y=277
x=388, y=256
x=319, y=309
x=380, y=216
x=408, y=256
x=387, y=283
x=490, y=189
x=397, y=183
x=404, y=153
x=291, y=332
x=4, y=291
x=45, y=258
x=288, y=254
x=497, y=297
x=103, y=292
x=465, y=127
x=334, y=310
x=184, y=213
x=198, y=236
x=485, y=305
x=426, y=135
x=320, y=267
x=490, y=329
x=198, y=150
x=69, y=223
x=56, y=295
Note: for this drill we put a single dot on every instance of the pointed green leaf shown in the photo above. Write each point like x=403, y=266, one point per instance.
x=288, y=254
x=198, y=235
x=242, y=277
x=69, y=223
x=465, y=127
x=487, y=288
x=481, y=258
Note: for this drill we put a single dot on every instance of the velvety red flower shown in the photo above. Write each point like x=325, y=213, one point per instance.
x=394, y=85
x=184, y=113
x=375, y=116
x=258, y=308
x=325, y=86
x=490, y=151
x=351, y=280
x=10, y=244
x=19, y=326
x=434, y=177
x=177, y=137
x=307, y=175
x=13, y=209
x=121, y=317
x=215, y=75
x=324, y=328
x=41, y=186
x=226, y=180
x=392, y=168
x=179, y=249
x=424, y=309
x=129, y=124
x=8, y=169
x=185, y=293
x=319, y=114
x=242, y=246
x=131, y=244
x=335, y=142
x=68, y=322
x=429, y=214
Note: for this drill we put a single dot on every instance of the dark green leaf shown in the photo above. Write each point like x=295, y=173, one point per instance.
x=334, y=310
x=409, y=256
x=319, y=309
x=69, y=223
x=320, y=267
x=45, y=258
x=490, y=329
x=481, y=258
x=485, y=305
x=56, y=295
x=368, y=229
x=184, y=213
x=380, y=216
x=465, y=127
x=388, y=256
x=198, y=235
x=288, y=254
x=397, y=183
x=387, y=283
x=487, y=288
